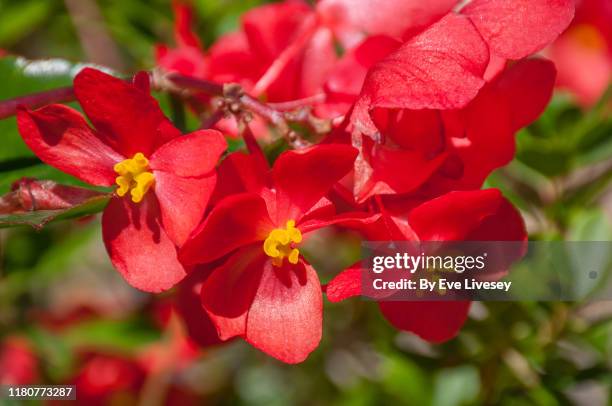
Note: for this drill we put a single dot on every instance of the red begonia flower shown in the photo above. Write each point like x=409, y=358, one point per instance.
x=265, y=292
x=188, y=57
x=18, y=363
x=441, y=68
x=583, y=54
x=164, y=179
x=177, y=351
x=518, y=28
x=281, y=51
x=102, y=377
x=189, y=307
x=453, y=149
x=481, y=215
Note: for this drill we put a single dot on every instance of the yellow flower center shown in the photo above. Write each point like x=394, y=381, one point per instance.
x=134, y=177
x=588, y=37
x=279, y=244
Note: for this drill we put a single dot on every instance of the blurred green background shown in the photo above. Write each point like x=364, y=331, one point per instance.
x=60, y=295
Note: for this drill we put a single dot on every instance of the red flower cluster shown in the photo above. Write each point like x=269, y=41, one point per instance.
x=583, y=54
x=426, y=99
x=18, y=364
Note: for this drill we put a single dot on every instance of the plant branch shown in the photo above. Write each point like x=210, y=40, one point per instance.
x=233, y=100
x=299, y=103
x=9, y=107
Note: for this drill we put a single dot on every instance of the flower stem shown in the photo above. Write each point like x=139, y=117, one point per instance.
x=234, y=98
x=9, y=107
x=254, y=148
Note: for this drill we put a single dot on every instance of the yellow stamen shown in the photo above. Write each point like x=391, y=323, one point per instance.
x=279, y=244
x=134, y=176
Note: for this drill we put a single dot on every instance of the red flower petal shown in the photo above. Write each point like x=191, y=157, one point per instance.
x=232, y=61
x=441, y=68
x=60, y=137
x=142, y=80
x=128, y=119
x=278, y=310
x=227, y=294
x=528, y=86
x=186, y=60
x=432, y=321
x=304, y=177
x=239, y=173
x=421, y=130
x=345, y=285
x=318, y=61
x=395, y=18
x=192, y=155
x=138, y=245
x=285, y=318
x=481, y=215
x=388, y=169
x=513, y=100
x=506, y=224
x=584, y=69
x=273, y=27
x=344, y=82
x=182, y=26
x=351, y=220
x=236, y=221
x=189, y=306
x=515, y=29
x=477, y=152
x=182, y=202
x=18, y=362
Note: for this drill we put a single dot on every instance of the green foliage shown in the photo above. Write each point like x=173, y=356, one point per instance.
x=41, y=218
x=17, y=20
x=21, y=77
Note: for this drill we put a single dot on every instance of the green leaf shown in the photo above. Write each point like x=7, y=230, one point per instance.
x=121, y=335
x=40, y=218
x=20, y=19
x=456, y=386
x=21, y=77
x=58, y=359
x=38, y=171
x=404, y=379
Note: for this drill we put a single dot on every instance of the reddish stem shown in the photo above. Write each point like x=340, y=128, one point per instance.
x=171, y=82
x=9, y=107
x=254, y=148
x=299, y=103
x=230, y=91
x=213, y=119
x=273, y=116
x=205, y=86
